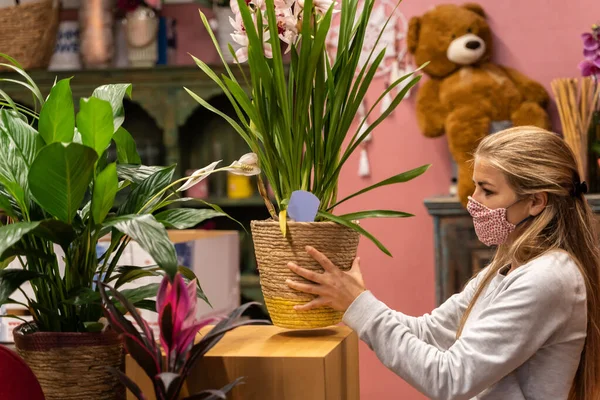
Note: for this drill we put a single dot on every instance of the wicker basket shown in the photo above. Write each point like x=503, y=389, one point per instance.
x=73, y=366
x=30, y=32
x=273, y=252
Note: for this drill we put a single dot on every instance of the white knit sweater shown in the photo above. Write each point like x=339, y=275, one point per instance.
x=523, y=339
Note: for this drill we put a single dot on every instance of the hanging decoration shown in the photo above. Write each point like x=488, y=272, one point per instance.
x=396, y=63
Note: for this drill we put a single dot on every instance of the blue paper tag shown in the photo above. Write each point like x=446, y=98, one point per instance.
x=303, y=206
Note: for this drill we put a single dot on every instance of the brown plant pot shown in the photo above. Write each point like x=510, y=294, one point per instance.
x=273, y=252
x=72, y=366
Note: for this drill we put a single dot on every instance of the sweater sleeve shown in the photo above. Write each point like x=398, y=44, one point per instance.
x=439, y=328
x=507, y=333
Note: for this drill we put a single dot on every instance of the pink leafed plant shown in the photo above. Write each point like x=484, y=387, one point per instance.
x=176, y=305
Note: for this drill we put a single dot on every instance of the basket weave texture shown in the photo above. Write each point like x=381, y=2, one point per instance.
x=29, y=33
x=73, y=366
x=273, y=252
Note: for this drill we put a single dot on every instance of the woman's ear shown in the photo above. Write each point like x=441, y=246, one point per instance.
x=538, y=203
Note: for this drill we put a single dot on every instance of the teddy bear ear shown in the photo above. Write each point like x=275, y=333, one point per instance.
x=412, y=36
x=476, y=8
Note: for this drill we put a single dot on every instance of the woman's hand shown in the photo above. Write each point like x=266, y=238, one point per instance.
x=334, y=287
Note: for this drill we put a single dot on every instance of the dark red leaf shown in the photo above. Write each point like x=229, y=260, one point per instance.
x=129, y=384
x=144, y=356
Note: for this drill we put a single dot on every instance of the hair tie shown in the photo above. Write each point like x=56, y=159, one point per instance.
x=579, y=188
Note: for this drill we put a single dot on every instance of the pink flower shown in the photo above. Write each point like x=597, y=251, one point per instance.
x=176, y=307
x=589, y=41
x=589, y=68
x=241, y=37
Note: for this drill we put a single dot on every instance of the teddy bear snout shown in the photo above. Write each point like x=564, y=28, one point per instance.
x=473, y=45
x=466, y=49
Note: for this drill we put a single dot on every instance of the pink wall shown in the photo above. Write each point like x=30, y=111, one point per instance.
x=538, y=37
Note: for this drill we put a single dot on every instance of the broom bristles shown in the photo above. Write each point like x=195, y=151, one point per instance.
x=576, y=100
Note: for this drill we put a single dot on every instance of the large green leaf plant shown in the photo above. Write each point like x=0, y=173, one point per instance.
x=298, y=116
x=58, y=189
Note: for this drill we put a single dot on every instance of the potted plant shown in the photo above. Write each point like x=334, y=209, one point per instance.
x=58, y=189
x=298, y=119
x=168, y=364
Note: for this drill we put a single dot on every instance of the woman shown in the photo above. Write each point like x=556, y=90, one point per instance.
x=525, y=327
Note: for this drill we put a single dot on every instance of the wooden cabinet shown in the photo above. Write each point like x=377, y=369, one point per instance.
x=458, y=252
x=277, y=364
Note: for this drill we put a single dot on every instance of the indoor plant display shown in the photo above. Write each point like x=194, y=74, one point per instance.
x=58, y=189
x=168, y=364
x=298, y=124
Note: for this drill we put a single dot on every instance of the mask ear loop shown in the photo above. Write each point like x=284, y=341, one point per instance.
x=524, y=219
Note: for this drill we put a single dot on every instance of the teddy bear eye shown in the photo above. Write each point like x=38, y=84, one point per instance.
x=469, y=30
x=453, y=36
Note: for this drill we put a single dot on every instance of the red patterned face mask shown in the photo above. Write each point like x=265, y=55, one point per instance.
x=491, y=226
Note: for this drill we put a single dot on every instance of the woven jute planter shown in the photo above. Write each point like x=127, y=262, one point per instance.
x=274, y=252
x=30, y=32
x=72, y=366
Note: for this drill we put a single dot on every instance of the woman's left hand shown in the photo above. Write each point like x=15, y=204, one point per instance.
x=334, y=287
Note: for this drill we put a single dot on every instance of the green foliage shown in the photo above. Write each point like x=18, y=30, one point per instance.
x=299, y=123
x=58, y=189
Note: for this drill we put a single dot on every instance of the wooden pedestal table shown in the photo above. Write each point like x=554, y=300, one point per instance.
x=277, y=364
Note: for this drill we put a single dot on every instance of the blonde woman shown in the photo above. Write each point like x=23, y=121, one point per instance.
x=525, y=327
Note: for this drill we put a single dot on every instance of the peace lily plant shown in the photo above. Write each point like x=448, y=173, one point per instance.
x=58, y=189
x=298, y=118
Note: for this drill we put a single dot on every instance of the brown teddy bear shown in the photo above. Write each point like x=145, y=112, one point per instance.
x=468, y=97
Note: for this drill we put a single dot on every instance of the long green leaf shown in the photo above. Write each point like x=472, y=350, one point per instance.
x=6, y=206
x=114, y=94
x=126, y=149
x=128, y=273
x=12, y=233
x=59, y=178
x=189, y=275
x=95, y=123
x=56, y=231
x=355, y=227
x=27, y=142
x=375, y=214
x=152, y=236
x=6, y=262
x=18, y=68
x=140, y=293
x=105, y=191
x=57, y=118
x=13, y=169
x=400, y=178
x=149, y=188
x=137, y=173
x=220, y=113
x=12, y=279
x=184, y=218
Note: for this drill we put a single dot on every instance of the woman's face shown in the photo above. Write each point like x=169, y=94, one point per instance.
x=493, y=191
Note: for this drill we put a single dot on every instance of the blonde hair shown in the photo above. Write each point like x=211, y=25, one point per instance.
x=535, y=160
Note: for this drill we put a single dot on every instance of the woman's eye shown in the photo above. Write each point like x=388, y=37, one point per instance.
x=487, y=192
